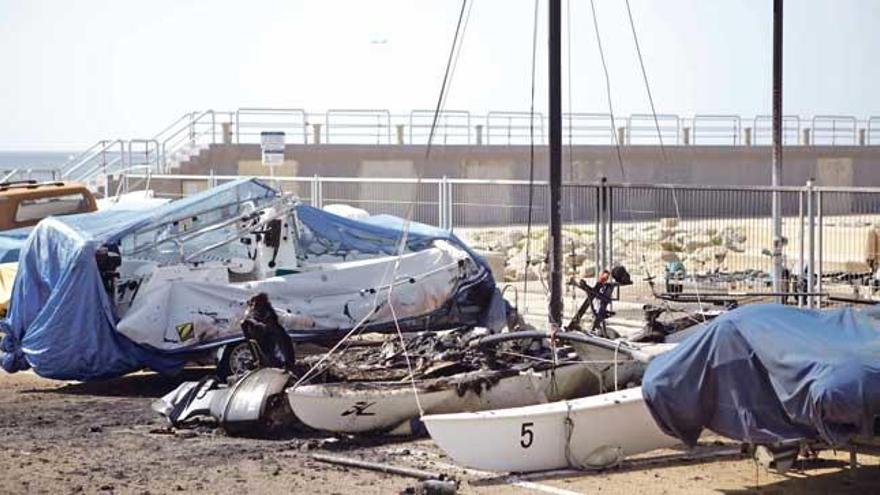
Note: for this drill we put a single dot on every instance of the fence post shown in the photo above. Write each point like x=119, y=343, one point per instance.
x=450, y=204
x=316, y=191
x=602, y=214
x=479, y=129
x=811, y=216
x=802, y=263
x=441, y=203
x=819, y=243
x=610, y=242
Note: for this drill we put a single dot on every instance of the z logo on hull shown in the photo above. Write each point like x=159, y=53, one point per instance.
x=359, y=409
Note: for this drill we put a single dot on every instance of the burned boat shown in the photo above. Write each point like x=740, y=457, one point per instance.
x=159, y=288
x=376, y=390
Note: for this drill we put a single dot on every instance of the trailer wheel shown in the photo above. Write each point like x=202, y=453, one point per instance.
x=237, y=359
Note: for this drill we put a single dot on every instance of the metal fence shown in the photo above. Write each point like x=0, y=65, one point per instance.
x=705, y=238
x=194, y=131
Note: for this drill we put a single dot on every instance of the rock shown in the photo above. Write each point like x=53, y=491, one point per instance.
x=587, y=271
x=697, y=242
x=671, y=246
x=669, y=256
x=668, y=223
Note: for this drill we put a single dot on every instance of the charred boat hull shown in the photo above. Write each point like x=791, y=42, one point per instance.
x=383, y=406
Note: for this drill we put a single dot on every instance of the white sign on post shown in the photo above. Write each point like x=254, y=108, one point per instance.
x=272, y=143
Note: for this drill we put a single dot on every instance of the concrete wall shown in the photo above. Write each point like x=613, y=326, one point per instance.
x=739, y=165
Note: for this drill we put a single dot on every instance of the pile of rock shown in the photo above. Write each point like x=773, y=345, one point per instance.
x=579, y=253
x=638, y=246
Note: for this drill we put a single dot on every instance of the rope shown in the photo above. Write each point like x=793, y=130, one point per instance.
x=451, y=62
x=528, y=257
x=663, y=154
x=446, y=77
x=615, y=138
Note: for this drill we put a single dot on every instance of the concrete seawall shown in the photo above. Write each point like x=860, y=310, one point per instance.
x=730, y=165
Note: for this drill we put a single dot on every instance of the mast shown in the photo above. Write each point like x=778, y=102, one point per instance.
x=776, y=174
x=555, y=110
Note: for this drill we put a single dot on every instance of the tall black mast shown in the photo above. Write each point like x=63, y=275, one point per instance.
x=555, y=89
x=776, y=173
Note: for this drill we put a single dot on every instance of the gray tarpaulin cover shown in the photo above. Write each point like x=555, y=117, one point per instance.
x=771, y=373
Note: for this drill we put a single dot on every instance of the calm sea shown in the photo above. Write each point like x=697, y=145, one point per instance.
x=41, y=160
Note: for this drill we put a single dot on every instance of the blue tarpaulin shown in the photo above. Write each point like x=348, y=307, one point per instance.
x=11, y=242
x=62, y=324
x=767, y=374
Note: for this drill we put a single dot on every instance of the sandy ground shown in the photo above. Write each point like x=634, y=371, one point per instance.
x=103, y=438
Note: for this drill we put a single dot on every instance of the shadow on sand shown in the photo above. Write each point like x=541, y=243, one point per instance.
x=142, y=384
x=863, y=479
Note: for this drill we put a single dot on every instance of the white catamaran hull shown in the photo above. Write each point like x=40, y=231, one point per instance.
x=382, y=406
x=589, y=432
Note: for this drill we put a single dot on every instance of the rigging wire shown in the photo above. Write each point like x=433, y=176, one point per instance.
x=615, y=138
x=450, y=63
x=457, y=41
x=570, y=144
x=531, y=163
x=464, y=14
x=663, y=154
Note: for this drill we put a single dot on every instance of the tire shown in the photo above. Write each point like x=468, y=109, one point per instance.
x=237, y=359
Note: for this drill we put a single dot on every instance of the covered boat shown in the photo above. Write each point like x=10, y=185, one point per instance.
x=106, y=293
x=771, y=374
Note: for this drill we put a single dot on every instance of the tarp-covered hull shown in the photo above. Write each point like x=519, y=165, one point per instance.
x=767, y=374
x=63, y=318
x=183, y=315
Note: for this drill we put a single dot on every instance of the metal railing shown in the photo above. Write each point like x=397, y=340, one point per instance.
x=715, y=238
x=763, y=130
x=834, y=130
x=190, y=133
x=717, y=129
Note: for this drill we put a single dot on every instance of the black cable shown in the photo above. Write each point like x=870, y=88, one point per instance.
x=449, y=62
x=632, y=26
x=608, y=91
x=531, y=158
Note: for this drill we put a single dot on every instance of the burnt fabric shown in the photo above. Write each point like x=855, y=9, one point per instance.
x=770, y=373
x=261, y=328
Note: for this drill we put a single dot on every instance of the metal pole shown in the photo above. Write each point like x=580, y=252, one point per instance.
x=801, y=243
x=776, y=175
x=555, y=109
x=820, y=222
x=811, y=233
x=600, y=223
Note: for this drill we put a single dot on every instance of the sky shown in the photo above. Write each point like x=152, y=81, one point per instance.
x=74, y=72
